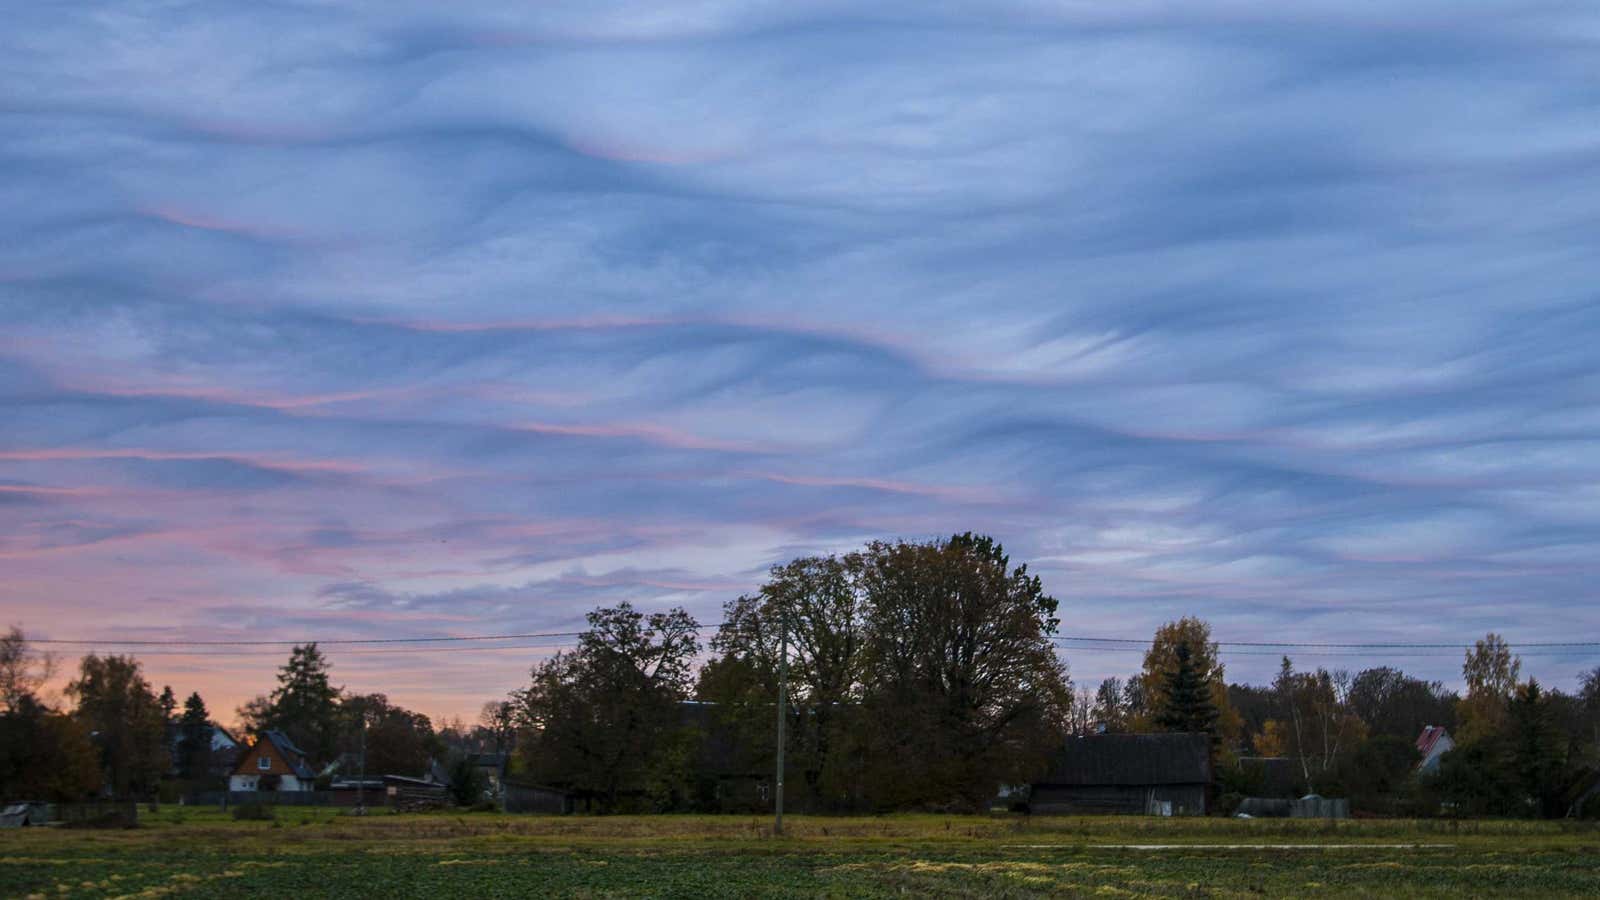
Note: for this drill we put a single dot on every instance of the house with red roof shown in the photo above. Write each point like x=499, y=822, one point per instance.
x=1433, y=743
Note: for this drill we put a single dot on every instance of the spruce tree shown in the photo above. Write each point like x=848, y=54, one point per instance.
x=305, y=705
x=194, y=751
x=1187, y=705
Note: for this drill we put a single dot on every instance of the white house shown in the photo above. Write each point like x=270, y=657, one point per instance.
x=272, y=763
x=1433, y=743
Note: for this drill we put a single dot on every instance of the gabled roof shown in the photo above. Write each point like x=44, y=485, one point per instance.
x=292, y=755
x=1429, y=739
x=1132, y=759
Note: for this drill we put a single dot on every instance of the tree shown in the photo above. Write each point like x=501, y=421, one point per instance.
x=1273, y=739
x=169, y=704
x=305, y=705
x=604, y=719
x=194, y=742
x=1160, y=662
x=1377, y=769
x=255, y=715
x=116, y=704
x=23, y=672
x=1321, y=726
x=1392, y=702
x=498, y=721
x=397, y=740
x=816, y=605
x=467, y=782
x=1109, y=706
x=962, y=686
x=43, y=754
x=1536, y=749
x=1490, y=671
x=1186, y=700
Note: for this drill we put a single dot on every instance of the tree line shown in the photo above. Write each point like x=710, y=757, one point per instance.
x=920, y=675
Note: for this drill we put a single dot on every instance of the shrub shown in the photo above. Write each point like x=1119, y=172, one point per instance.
x=254, y=812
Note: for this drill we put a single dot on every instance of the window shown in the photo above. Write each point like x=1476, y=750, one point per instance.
x=263, y=762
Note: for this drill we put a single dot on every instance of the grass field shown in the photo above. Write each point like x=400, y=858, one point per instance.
x=317, y=853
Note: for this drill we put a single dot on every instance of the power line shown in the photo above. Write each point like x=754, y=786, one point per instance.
x=183, y=642
x=1139, y=642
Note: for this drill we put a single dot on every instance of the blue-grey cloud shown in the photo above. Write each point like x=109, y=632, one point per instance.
x=364, y=319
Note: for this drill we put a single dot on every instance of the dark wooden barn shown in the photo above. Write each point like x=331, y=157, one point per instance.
x=1159, y=774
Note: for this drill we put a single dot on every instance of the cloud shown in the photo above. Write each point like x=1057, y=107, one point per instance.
x=325, y=320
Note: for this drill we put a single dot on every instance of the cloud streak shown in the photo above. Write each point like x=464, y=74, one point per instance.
x=340, y=320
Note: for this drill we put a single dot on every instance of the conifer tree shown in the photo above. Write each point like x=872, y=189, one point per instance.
x=1187, y=704
x=305, y=705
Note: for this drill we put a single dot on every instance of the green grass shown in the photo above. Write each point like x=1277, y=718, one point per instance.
x=321, y=853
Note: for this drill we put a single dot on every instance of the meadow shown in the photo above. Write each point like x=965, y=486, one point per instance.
x=321, y=853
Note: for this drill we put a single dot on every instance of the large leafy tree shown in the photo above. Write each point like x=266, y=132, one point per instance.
x=1490, y=671
x=398, y=741
x=116, y=704
x=23, y=671
x=605, y=718
x=1394, y=703
x=819, y=604
x=305, y=705
x=962, y=686
x=43, y=754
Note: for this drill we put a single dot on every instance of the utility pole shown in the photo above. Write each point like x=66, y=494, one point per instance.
x=361, y=786
x=783, y=686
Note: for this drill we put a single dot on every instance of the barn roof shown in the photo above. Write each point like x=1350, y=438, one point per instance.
x=1132, y=759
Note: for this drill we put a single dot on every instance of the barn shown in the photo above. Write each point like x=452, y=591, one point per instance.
x=1161, y=774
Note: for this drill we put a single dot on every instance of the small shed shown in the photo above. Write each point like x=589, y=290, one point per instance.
x=538, y=798
x=1160, y=774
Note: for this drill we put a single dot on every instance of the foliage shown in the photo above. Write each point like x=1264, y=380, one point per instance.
x=23, y=671
x=467, y=782
x=1162, y=659
x=1110, y=706
x=963, y=687
x=599, y=719
x=1393, y=703
x=816, y=606
x=1490, y=671
x=305, y=705
x=116, y=704
x=1537, y=755
x=45, y=755
x=1319, y=724
x=1379, y=768
x=194, y=742
x=397, y=741
x=253, y=812
x=1186, y=702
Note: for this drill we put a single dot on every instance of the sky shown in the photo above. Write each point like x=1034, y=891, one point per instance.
x=374, y=320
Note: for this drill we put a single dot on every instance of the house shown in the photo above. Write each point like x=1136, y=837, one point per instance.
x=1433, y=743
x=1161, y=774
x=272, y=763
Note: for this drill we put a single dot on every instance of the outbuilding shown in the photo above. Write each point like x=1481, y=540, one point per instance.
x=1154, y=774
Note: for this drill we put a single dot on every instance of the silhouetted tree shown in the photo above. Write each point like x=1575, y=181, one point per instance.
x=116, y=704
x=305, y=705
